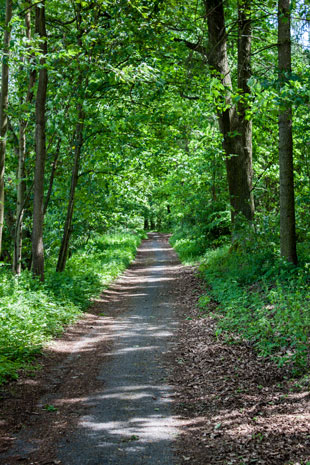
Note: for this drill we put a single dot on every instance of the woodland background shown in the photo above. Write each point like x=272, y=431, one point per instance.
x=118, y=117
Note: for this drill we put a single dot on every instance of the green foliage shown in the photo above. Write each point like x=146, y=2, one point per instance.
x=32, y=312
x=152, y=150
x=208, y=227
x=262, y=299
x=189, y=248
x=50, y=408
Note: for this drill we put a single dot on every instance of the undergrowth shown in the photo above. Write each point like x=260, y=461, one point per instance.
x=190, y=247
x=261, y=298
x=32, y=312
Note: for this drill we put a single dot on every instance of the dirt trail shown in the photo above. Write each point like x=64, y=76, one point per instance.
x=102, y=397
x=112, y=399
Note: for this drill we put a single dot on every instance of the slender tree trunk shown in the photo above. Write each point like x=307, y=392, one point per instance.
x=20, y=204
x=21, y=186
x=287, y=201
x=52, y=176
x=37, y=232
x=64, y=247
x=238, y=155
x=244, y=74
x=4, y=99
x=63, y=253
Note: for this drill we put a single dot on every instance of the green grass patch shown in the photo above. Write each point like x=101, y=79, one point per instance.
x=32, y=312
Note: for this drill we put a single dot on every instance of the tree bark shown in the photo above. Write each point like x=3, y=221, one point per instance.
x=287, y=201
x=237, y=137
x=64, y=248
x=52, y=176
x=4, y=99
x=63, y=253
x=244, y=74
x=37, y=232
x=21, y=186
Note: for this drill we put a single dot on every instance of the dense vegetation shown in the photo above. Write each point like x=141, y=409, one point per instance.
x=32, y=312
x=189, y=118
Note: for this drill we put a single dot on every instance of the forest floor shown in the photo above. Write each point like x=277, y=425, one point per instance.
x=142, y=379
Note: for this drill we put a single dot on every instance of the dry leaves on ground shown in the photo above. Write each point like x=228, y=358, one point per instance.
x=238, y=408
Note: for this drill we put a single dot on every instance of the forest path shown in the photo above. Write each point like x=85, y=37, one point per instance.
x=112, y=406
x=104, y=395
x=130, y=421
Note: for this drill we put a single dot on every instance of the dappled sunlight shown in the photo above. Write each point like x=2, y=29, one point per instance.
x=145, y=277
x=247, y=430
x=88, y=342
x=149, y=249
x=30, y=382
x=146, y=429
x=240, y=405
x=132, y=349
x=71, y=401
x=131, y=417
x=124, y=415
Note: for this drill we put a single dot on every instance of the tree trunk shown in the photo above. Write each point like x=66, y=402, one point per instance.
x=146, y=224
x=37, y=232
x=21, y=187
x=287, y=201
x=236, y=139
x=20, y=204
x=52, y=176
x=244, y=74
x=63, y=253
x=4, y=99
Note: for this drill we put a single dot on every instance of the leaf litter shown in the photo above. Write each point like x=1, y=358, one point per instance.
x=237, y=408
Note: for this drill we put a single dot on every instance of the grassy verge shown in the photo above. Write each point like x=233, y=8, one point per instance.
x=190, y=249
x=261, y=299
x=31, y=312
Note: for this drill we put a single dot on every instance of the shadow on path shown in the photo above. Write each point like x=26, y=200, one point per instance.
x=126, y=418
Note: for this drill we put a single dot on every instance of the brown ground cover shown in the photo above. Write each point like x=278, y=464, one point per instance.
x=235, y=407
x=68, y=371
x=240, y=408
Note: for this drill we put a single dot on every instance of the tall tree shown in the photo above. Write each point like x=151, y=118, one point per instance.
x=21, y=188
x=237, y=139
x=78, y=141
x=63, y=253
x=287, y=201
x=37, y=232
x=4, y=99
x=244, y=74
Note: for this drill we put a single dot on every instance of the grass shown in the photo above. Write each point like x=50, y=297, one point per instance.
x=261, y=298
x=190, y=249
x=31, y=312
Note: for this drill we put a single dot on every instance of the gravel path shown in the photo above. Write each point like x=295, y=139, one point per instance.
x=104, y=399
x=102, y=396
x=130, y=421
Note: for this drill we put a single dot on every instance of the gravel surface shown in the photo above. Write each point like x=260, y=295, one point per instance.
x=130, y=421
x=104, y=395
x=107, y=400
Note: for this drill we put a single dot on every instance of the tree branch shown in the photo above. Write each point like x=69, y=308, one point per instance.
x=189, y=97
x=196, y=47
